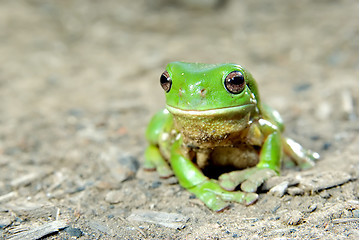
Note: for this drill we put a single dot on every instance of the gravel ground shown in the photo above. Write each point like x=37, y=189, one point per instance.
x=79, y=81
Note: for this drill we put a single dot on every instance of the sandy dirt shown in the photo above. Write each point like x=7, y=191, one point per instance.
x=79, y=81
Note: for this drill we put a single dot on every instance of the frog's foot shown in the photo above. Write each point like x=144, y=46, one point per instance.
x=302, y=157
x=217, y=199
x=155, y=161
x=307, y=160
x=250, y=179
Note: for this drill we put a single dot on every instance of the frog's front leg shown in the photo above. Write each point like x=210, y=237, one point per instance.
x=157, y=134
x=155, y=161
x=268, y=166
x=207, y=190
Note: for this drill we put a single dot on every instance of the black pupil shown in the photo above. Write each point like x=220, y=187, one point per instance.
x=164, y=79
x=238, y=80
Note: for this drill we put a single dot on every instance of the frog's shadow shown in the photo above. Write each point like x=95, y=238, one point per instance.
x=213, y=171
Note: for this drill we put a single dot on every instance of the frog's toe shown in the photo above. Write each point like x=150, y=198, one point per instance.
x=149, y=166
x=255, y=180
x=308, y=164
x=220, y=200
x=155, y=161
x=229, y=181
x=250, y=198
x=217, y=204
x=217, y=199
x=240, y=197
x=164, y=171
x=210, y=194
x=308, y=160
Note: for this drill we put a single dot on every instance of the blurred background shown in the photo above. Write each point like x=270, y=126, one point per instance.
x=71, y=58
x=79, y=80
x=92, y=50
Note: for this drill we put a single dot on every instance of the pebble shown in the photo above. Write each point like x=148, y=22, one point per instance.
x=317, y=181
x=324, y=110
x=7, y=197
x=99, y=226
x=106, y=185
x=356, y=213
x=170, y=220
x=302, y=87
x=295, y=191
x=274, y=210
x=129, y=162
x=27, y=179
x=294, y=217
x=91, y=133
x=280, y=189
x=326, y=146
x=126, y=195
x=121, y=166
x=312, y=207
x=4, y=222
x=38, y=232
x=348, y=107
x=114, y=196
x=125, y=168
x=325, y=195
x=74, y=232
x=201, y=4
x=274, y=181
x=155, y=184
x=25, y=209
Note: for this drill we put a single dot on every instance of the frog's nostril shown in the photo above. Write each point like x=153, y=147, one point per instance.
x=203, y=92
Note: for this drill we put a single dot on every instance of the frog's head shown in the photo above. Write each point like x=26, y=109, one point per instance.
x=209, y=102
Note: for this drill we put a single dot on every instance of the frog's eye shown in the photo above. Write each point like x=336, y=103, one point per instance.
x=235, y=82
x=166, y=81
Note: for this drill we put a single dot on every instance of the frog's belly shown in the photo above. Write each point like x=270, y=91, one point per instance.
x=238, y=157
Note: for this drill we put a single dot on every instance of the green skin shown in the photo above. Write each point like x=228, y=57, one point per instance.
x=204, y=124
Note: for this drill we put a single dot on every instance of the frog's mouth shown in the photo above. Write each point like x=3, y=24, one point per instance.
x=221, y=126
x=237, y=110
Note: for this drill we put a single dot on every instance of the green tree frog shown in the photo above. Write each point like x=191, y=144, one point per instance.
x=214, y=119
